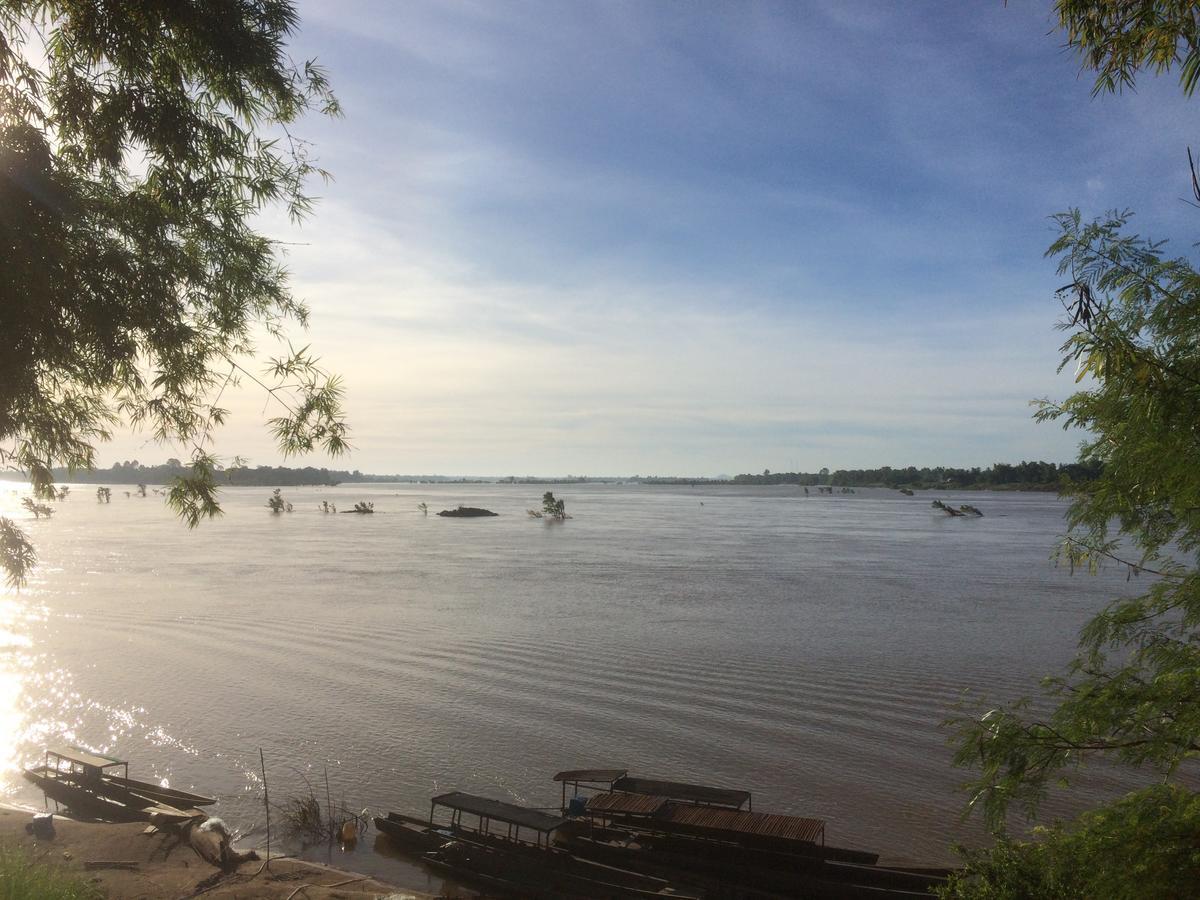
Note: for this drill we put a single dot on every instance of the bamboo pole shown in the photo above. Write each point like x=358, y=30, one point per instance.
x=328, y=806
x=266, y=802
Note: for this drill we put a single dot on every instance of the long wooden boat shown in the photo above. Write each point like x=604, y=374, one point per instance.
x=545, y=873
x=709, y=865
x=157, y=793
x=710, y=837
x=411, y=833
x=81, y=799
x=499, y=864
x=85, y=783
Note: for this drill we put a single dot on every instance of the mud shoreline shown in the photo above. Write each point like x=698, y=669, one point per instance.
x=162, y=866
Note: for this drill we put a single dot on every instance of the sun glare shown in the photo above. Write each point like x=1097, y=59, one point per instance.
x=14, y=664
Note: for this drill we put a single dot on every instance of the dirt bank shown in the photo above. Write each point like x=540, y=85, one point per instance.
x=166, y=867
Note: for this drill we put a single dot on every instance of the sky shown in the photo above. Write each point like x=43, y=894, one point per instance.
x=617, y=238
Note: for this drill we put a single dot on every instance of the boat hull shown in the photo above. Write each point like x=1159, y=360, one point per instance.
x=114, y=799
x=158, y=793
x=81, y=800
x=409, y=833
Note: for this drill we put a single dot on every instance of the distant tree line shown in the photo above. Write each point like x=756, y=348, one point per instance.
x=135, y=473
x=1025, y=475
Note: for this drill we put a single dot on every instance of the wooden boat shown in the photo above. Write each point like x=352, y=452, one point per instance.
x=702, y=836
x=84, y=783
x=158, y=793
x=530, y=872
x=81, y=799
x=411, y=833
x=502, y=864
x=710, y=865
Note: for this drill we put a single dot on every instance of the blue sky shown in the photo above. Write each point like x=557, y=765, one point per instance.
x=703, y=238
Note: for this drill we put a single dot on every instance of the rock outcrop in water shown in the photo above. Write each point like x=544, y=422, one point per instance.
x=965, y=510
x=467, y=512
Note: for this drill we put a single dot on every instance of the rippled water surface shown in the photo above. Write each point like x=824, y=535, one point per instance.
x=803, y=648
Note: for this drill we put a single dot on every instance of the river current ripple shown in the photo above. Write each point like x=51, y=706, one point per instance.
x=804, y=648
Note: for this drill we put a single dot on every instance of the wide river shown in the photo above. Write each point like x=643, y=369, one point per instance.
x=804, y=648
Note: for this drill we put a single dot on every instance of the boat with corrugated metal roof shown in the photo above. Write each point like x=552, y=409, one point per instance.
x=627, y=836
x=701, y=835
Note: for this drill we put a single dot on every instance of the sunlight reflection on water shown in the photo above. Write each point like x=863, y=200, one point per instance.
x=14, y=660
x=35, y=698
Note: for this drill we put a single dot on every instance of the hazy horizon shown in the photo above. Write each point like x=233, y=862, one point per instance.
x=552, y=476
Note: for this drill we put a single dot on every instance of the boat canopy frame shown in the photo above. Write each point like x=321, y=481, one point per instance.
x=82, y=762
x=607, y=781
x=488, y=810
x=599, y=780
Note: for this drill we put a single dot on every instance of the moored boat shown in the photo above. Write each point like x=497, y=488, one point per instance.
x=701, y=835
x=411, y=833
x=158, y=793
x=86, y=784
x=501, y=862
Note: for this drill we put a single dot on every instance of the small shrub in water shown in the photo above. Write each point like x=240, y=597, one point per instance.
x=304, y=818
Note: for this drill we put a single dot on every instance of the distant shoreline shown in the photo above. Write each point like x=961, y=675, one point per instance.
x=93, y=478
x=1025, y=476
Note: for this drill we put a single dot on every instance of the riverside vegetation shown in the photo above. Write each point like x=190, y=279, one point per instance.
x=1133, y=326
x=1023, y=476
x=1037, y=476
x=136, y=153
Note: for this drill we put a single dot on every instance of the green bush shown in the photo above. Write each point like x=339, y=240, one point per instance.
x=1142, y=846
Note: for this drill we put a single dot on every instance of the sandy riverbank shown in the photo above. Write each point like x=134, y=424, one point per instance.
x=168, y=868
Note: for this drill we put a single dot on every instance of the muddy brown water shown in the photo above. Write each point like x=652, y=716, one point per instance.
x=805, y=649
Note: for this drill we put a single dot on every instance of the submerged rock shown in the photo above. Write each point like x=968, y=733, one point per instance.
x=965, y=509
x=467, y=512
